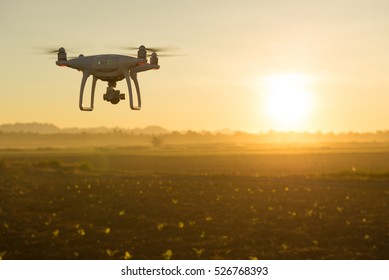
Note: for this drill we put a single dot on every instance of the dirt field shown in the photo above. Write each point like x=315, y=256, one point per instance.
x=117, y=205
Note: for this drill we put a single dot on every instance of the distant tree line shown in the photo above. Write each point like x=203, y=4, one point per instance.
x=123, y=138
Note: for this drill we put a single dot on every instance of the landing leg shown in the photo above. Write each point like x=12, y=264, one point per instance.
x=127, y=75
x=85, y=76
x=134, y=77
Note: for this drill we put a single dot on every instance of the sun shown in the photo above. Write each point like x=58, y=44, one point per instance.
x=288, y=100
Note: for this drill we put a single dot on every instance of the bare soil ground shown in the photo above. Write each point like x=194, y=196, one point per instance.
x=265, y=206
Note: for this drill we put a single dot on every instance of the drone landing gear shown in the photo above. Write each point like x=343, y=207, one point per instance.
x=134, y=77
x=85, y=76
x=112, y=95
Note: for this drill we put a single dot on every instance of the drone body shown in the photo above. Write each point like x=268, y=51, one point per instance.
x=110, y=68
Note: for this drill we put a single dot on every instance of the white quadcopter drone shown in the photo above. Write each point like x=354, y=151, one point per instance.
x=111, y=68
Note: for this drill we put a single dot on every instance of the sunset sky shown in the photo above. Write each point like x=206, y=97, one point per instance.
x=249, y=65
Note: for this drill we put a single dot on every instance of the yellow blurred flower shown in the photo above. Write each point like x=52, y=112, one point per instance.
x=160, y=226
x=198, y=252
x=127, y=255
x=174, y=201
x=55, y=233
x=168, y=254
x=111, y=253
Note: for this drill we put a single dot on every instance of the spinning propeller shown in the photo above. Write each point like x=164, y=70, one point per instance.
x=155, y=50
x=51, y=51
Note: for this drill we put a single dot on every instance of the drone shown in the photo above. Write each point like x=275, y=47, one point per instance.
x=111, y=68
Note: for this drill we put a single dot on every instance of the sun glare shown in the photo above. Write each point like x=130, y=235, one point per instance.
x=288, y=100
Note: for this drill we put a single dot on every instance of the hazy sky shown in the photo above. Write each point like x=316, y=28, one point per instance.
x=248, y=64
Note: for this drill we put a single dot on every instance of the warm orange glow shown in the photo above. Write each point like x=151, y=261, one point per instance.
x=249, y=69
x=288, y=101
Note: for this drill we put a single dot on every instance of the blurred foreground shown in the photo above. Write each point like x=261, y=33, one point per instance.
x=195, y=202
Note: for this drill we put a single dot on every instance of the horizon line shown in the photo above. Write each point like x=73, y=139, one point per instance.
x=226, y=129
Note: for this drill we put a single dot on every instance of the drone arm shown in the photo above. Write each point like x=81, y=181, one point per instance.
x=85, y=77
x=127, y=76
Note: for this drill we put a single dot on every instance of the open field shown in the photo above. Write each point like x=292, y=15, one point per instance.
x=132, y=204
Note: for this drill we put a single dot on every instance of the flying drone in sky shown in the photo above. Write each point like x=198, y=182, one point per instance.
x=111, y=68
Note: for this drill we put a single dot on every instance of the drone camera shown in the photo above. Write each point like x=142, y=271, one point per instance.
x=113, y=96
